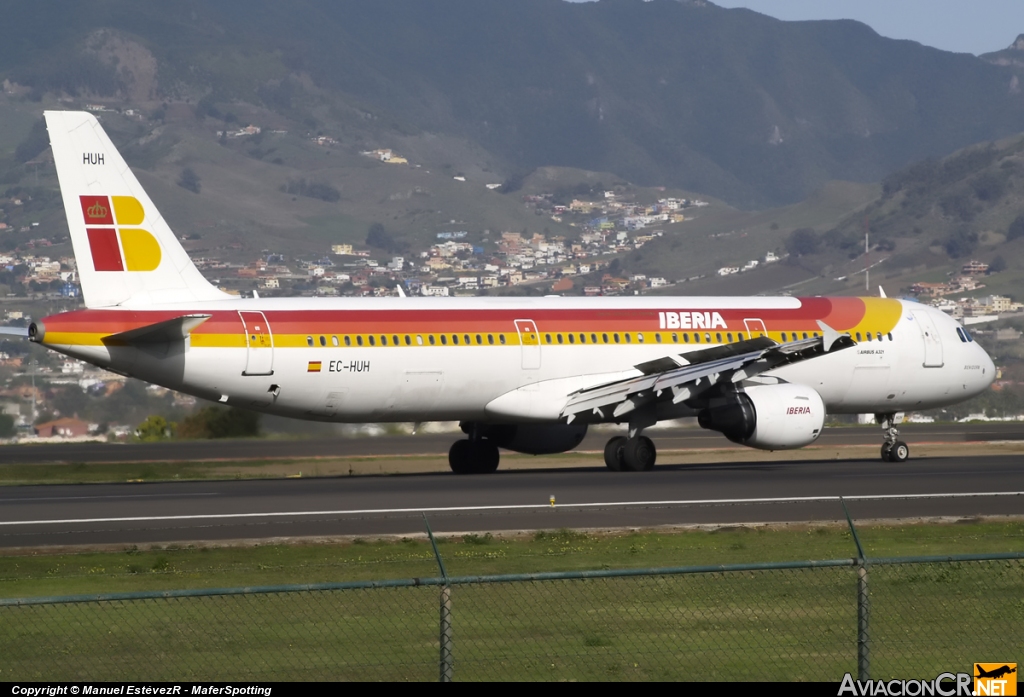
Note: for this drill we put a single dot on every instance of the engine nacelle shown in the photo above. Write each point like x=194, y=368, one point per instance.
x=768, y=417
x=536, y=439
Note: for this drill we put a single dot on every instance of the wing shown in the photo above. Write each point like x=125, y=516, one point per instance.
x=678, y=378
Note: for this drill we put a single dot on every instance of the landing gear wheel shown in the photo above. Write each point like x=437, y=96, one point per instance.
x=899, y=452
x=459, y=457
x=639, y=454
x=613, y=453
x=473, y=457
x=484, y=457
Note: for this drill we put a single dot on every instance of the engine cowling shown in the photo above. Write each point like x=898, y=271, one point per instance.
x=536, y=439
x=768, y=417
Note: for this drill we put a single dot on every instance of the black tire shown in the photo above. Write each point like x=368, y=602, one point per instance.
x=485, y=457
x=639, y=454
x=886, y=452
x=613, y=453
x=900, y=452
x=460, y=457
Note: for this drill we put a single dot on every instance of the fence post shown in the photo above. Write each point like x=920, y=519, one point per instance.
x=445, y=634
x=863, y=605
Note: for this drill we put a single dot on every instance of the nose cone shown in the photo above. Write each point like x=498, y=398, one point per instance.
x=988, y=369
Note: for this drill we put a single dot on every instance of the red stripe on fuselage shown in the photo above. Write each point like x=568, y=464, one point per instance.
x=839, y=313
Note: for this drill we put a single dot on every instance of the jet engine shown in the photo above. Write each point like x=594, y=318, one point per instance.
x=769, y=417
x=535, y=439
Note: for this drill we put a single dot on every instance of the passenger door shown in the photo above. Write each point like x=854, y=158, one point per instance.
x=259, y=343
x=529, y=340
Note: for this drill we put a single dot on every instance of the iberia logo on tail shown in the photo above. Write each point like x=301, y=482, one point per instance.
x=124, y=247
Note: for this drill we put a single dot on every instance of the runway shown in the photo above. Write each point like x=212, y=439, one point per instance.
x=592, y=497
x=438, y=444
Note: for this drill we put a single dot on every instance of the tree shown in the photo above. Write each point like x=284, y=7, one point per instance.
x=998, y=264
x=380, y=238
x=154, y=428
x=189, y=180
x=1016, y=228
x=215, y=422
x=802, y=242
x=7, y=429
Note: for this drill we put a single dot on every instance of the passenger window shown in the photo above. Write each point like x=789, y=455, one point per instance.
x=373, y=342
x=431, y=339
x=783, y=337
x=334, y=340
x=501, y=339
x=408, y=340
x=394, y=340
x=696, y=338
x=479, y=340
x=583, y=338
x=628, y=337
x=419, y=340
x=616, y=337
x=805, y=335
x=444, y=340
x=740, y=336
x=869, y=337
x=490, y=339
x=465, y=337
x=879, y=335
x=383, y=340
x=889, y=335
x=593, y=338
x=729, y=337
x=309, y=340
x=707, y=337
x=572, y=338
x=815, y=335
x=675, y=338
x=559, y=337
x=657, y=338
x=348, y=340
x=359, y=340
x=604, y=338
x=858, y=337
x=455, y=339
x=323, y=340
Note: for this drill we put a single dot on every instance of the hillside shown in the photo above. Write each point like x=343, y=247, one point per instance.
x=683, y=94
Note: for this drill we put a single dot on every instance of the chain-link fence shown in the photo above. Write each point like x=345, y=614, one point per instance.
x=910, y=618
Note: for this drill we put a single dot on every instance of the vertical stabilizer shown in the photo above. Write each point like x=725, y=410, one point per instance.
x=126, y=253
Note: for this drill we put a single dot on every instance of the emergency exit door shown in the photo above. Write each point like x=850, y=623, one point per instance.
x=529, y=341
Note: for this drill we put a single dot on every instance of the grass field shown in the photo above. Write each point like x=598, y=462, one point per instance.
x=781, y=624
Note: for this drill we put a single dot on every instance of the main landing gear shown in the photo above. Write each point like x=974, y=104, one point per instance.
x=475, y=455
x=893, y=449
x=637, y=454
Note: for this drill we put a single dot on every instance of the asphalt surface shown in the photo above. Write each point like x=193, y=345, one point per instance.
x=435, y=443
x=723, y=493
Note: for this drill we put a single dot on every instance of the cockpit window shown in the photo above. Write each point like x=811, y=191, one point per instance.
x=960, y=333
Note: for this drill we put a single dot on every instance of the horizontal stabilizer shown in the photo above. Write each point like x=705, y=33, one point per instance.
x=160, y=333
x=14, y=331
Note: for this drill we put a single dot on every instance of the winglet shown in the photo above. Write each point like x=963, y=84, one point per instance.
x=829, y=336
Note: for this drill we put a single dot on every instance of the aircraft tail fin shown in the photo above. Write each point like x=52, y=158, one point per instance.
x=126, y=253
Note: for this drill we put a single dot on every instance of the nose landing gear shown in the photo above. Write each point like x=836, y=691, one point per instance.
x=893, y=449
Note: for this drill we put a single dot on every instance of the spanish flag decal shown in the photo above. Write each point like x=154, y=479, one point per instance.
x=119, y=248
x=314, y=366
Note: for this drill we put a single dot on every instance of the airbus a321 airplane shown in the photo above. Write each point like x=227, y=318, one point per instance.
x=524, y=374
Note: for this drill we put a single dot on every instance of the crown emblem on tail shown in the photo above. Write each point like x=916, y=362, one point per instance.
x=97, y=210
